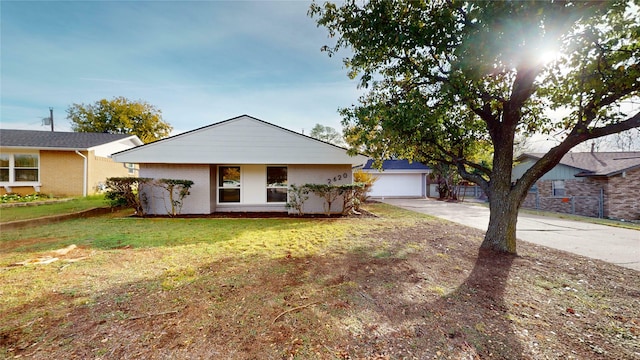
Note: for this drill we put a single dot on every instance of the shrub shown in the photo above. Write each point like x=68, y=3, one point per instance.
x=297, y=196
x=124, y=191
x=351, y=194
x=129, y=192
x=178, y=190
x=328, y=192
x=362, y=194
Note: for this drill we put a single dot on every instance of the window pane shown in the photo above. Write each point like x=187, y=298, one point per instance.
x=25, y=160
x=4, y=161
x=277, y=195
x=276, y=176
x=26, y=175
x=558, y=187
x=229, y=195
x=229, y=184
x=4, y=175
x=229, y=177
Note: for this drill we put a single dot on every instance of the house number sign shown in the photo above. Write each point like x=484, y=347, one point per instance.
x=337, y=178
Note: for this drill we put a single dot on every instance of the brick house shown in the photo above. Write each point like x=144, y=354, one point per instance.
x=60, y=163
x=596, y=184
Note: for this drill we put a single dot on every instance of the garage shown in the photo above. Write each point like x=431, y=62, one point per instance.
x=398, y=179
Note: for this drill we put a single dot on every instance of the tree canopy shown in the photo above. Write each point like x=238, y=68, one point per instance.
x=327, y=134
x=120, y=116
x=445, y=78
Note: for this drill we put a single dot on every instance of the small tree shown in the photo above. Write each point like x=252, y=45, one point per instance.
x=350, y=196
x=328, y=192
x=178, y=190
x=128, y=192
x=362, y=193
x=297, y=196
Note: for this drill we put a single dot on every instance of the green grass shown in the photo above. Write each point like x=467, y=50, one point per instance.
x=33, y=211
x=159, y=247
x=248, y=235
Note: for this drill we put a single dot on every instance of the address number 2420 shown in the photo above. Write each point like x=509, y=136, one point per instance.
x=337, y=178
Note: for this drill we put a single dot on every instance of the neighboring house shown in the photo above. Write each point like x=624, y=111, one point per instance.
x=60, y=163
x=241, y=164
x=398, y=178
x=597, y=184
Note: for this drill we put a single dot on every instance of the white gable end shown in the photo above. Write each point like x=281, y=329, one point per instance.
x=243, y=140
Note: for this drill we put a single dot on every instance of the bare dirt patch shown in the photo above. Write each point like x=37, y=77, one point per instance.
x=419, y=291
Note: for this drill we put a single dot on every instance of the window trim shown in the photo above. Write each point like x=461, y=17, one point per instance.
x=131, y=168
x=12, y=170
x=218, y=187
x=267, y=187
x=555, y=188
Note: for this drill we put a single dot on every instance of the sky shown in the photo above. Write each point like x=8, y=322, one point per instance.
x=199, y=62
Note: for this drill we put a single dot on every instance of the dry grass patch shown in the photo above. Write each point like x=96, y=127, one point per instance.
x=399, y=286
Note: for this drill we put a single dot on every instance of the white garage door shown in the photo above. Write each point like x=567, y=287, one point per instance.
x=397, y=185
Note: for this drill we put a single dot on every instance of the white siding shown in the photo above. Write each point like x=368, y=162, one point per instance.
x=197, y=202
x=203, y=194
x=320, y=174
x=106, y=150
x=242, y=140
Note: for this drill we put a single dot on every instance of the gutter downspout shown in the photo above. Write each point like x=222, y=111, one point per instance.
x=84, y=174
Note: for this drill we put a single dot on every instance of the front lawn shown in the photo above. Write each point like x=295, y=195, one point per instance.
x=63, y=206
x=401, y=285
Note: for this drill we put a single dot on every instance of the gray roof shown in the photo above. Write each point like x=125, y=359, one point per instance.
x=56, y=140
x=395, y=164
x=598, y=163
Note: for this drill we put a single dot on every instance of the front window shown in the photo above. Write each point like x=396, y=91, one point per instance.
x=131, y=168
x=4, y=167
x=19, y=168
x=557, y=187
x=229, y=184
x=277, y=184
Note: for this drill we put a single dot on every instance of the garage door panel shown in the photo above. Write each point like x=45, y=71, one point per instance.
x=397, y=185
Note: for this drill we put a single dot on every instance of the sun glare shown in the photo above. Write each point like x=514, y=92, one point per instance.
x=548, y=56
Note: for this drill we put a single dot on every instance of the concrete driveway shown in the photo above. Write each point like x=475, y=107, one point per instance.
x=611, y=244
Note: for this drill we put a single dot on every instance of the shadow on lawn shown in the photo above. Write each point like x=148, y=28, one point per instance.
x=469, y=321
x=360, y=303
x=475, y=316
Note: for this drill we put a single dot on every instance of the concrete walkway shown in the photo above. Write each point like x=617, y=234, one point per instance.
x=614, y=245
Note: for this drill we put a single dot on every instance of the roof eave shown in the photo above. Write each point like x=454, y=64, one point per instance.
x=46, y=148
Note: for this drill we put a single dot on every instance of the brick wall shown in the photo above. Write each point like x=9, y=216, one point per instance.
x=621, y=196
x=581, y=197
x=101, y=168
x=61, y=173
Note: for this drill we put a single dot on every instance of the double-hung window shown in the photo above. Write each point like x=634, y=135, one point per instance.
x=557, y=187
x=277, y=184
x=229, y=184
x=5, y=169
x=17, y=168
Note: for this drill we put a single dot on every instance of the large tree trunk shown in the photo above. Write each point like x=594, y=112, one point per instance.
x=501, y=233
